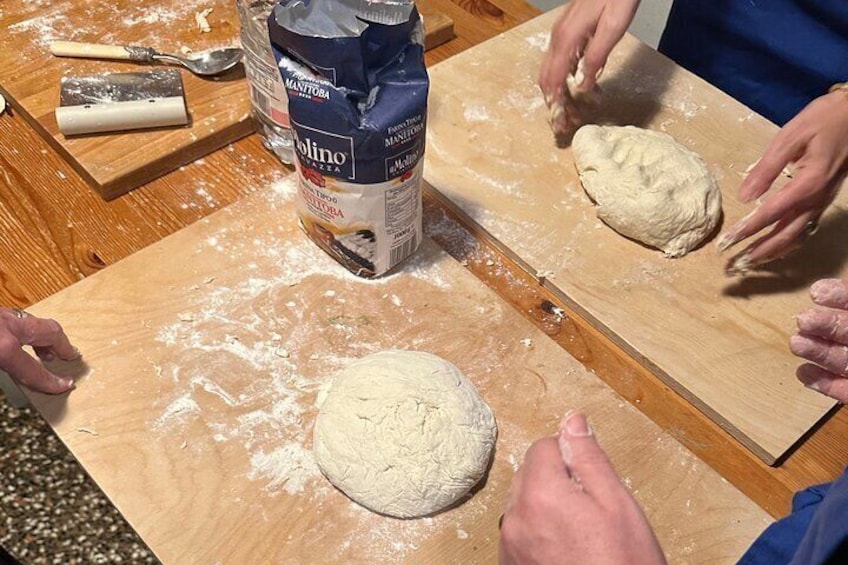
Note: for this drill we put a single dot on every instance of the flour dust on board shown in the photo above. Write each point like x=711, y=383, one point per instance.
x=357, y=88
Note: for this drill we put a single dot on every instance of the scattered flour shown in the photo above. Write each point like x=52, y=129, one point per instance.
x=540, y=41
x=523, y=100
x=674, y=94
x=221, y=368
x=285, y=188
x=476, y=113
x=40, y=22
x=299, y=464
x=646, y=274
x=228, y=331
x=511, y=188
x=177, y=411
x=46, y=29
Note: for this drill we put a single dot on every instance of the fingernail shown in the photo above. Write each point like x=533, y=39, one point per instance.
x=599, y=73
x=800, y=345
x=811, y=320
x=815, y=385
x=77, y=354
x=825, y=290
x=564, y=419
x=745, y=195
x=750, y=167
x=811, y=378
x=69, y=384
x=579, y=74
x=739, y=266
x=804, y=319
x=564, y=447
x=731, y=236
x=556, y=112
x=578, y=426
x=725, y=241
x=818, y=289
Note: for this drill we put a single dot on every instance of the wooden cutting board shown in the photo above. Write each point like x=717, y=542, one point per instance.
x=719, y=342
x=116, y=163
x=203, y=355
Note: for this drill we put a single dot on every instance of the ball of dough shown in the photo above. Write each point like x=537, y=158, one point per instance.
x=403, y=433
x=647, y=186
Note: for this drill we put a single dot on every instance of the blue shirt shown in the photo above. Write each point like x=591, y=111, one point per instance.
x=815, y=532
x=774, y=56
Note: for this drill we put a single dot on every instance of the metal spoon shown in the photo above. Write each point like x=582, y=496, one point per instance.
x=207, y=63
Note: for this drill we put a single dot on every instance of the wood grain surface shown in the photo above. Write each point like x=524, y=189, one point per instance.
x=818, y=459
x=720, y=343
x=438, y=30
x=203, y=355
x=54, y=231
x=118, y=162
x=115, y=163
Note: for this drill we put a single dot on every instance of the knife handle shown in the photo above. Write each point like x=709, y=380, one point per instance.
x=93, y=51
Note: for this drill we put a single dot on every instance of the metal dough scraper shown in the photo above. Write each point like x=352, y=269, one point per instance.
x=121, y=101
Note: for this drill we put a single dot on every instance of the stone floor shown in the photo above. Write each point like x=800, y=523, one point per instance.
x=50, y=510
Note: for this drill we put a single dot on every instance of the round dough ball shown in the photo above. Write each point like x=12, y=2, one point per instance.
x=403, y=433
x=647, y=186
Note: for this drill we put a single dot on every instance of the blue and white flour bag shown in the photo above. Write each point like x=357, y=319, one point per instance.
x=357, y=87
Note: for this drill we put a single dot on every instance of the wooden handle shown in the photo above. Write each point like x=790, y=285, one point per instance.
x=89, y=50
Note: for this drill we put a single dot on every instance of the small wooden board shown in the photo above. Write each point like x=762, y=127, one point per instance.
x=203, y=356
x=721, y=343
x=116, y=163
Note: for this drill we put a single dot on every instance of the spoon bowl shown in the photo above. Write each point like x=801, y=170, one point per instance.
x=207, y=63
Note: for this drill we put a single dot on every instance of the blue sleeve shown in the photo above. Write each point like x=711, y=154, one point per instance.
x=816, y=532
x=774, y=56
x=826, y=539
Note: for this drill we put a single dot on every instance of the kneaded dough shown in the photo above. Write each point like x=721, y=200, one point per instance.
x=403, y=433
x=647, y=186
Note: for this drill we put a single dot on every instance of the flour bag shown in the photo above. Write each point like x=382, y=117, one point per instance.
x=357, y=88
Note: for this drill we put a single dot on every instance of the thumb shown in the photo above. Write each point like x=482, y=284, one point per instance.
x=27, y=371
x=584, y=458
x=44, y=381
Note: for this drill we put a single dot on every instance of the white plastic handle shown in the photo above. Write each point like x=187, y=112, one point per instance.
x=89, y=50
x=121, y=116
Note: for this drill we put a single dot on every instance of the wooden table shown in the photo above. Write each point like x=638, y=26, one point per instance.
x=54, y=230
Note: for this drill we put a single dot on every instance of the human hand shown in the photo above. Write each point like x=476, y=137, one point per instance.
x=49, y=342
x=815, y=141
x=567, y=505
x=586, y=31
x=822, y=338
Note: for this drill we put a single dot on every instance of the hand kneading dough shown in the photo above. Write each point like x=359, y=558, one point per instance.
x=403, y=433
x=647, y=186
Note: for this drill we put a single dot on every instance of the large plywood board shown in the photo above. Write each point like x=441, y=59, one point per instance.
x=115, y=163
x=721, y=343
x=203, y=357
x=118, y=162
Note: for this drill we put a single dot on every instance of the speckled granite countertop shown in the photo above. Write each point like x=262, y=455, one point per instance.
x=50, y=510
